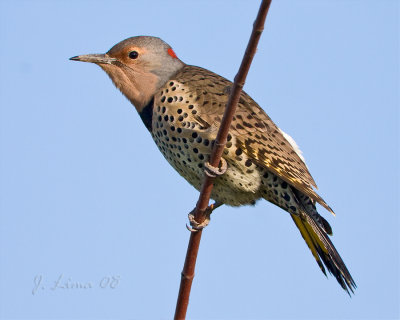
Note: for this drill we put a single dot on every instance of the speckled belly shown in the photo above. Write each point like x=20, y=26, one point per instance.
x=186, y=142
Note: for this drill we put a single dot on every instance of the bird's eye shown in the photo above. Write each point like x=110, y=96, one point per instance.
x=133, y=54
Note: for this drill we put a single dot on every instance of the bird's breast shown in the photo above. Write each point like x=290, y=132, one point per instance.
x=185, y=137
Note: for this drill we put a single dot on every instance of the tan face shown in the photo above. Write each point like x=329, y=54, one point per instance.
x=138, y=66
x=129, y=55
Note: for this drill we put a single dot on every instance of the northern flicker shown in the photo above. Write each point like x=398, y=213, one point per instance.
x=182, y=107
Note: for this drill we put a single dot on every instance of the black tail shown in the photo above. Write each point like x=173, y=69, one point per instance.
x=323, y=249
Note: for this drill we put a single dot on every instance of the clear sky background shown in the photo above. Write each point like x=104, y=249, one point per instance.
x=87, y=197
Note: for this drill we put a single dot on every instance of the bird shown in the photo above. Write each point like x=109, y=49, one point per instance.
x=182, y=106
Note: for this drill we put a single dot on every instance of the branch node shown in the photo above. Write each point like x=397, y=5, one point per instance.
x=184, y=276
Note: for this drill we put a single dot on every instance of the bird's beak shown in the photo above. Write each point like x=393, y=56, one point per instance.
x=95, y=58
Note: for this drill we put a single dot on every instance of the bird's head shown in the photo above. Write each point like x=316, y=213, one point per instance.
x=138, y=66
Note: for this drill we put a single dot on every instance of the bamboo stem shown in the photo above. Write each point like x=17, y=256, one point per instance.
x=187, y=274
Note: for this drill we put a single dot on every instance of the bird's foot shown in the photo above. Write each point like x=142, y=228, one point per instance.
x=196, y=226
x=212, y=171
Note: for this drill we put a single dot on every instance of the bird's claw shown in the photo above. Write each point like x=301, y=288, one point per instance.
x=196, y=226
x=212, y=171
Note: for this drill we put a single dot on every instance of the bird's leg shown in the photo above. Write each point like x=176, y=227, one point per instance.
x=214, y=206
x=213, y=172
x=194, y=225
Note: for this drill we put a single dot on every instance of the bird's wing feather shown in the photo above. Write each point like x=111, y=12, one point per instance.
x=256, y=134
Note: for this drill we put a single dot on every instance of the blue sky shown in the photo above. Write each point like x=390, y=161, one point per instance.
x=85, y=196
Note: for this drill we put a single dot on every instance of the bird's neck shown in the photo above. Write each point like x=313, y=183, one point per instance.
x=139, y=87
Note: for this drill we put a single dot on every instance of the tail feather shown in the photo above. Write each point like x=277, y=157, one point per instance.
x=308, y=205
x=323, y=249
x=307, y=238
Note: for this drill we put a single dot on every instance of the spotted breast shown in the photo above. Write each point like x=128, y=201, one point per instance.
x=187, y=113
